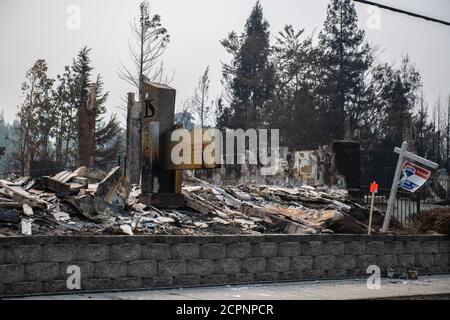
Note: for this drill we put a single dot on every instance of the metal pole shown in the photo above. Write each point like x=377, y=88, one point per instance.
x=398, y=169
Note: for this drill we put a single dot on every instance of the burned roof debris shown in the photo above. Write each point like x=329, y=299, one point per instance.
x=88, y=201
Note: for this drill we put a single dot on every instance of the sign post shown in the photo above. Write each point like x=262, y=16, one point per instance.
x=373, y=190
x=403, y=154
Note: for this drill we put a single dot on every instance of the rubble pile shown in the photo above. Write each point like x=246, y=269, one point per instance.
x=69, y=202
x=301, y=210
x=435, y=220
x=94, y=202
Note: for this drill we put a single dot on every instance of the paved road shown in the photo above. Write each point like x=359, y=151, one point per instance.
x=323, y=290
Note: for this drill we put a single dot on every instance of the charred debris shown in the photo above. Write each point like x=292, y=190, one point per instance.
x=88, y=201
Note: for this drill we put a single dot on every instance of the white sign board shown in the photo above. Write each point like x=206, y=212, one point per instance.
x=412, y=184
x=413, y=177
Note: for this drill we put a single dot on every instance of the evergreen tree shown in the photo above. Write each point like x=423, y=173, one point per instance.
x=108, y=134
x=81, y=69
x=296, y=112
x=394, y=95
x=109, y=142
x=249, y=78
x=346, y=59
x=109, y=139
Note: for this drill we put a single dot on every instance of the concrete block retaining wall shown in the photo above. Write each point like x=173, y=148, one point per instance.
x=38, y=264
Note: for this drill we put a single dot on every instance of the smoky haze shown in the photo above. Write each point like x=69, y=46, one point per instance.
x=30, y=30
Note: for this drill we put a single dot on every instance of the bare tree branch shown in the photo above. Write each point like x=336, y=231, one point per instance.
x=150, y=42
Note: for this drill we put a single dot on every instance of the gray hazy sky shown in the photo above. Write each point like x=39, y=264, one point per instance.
x=32, y=29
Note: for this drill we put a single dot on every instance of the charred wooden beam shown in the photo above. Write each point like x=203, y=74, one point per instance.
x=287, y=226
x=21, y=196
x=61, y=188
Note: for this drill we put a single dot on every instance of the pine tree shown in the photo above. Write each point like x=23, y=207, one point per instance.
x=393, y=93
x=296, y=111
x=346, y=59
x=249, y=78
x=108, y=140
x=86, y=109
x=82, y=68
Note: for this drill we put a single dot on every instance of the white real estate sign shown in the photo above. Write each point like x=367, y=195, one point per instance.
x=413, y=177
x=403, y=154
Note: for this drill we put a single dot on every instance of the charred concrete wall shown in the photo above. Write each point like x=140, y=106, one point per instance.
x=36, y=265
x=337, y=164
